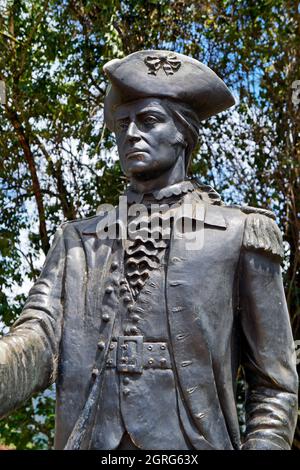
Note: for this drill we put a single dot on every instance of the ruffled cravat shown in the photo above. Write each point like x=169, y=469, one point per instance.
x=146, y=246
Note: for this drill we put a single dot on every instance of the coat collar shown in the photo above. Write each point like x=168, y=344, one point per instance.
x=176, y=189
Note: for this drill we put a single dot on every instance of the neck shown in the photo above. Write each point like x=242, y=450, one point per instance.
x=174, y=175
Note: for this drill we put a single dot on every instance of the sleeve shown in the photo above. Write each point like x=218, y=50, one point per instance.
x=28, y=354
x=268, y=355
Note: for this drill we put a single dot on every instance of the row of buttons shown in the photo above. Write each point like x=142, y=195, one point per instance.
x=106, y=317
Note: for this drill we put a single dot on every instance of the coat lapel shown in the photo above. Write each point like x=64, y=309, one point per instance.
x=97, y=252
x=192, y=354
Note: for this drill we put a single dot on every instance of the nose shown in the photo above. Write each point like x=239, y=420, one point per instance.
x=133, y=134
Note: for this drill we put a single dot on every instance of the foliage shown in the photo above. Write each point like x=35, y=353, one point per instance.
x=32, y=426
x=58, y=160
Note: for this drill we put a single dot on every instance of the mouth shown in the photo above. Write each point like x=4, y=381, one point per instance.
x=135, y=155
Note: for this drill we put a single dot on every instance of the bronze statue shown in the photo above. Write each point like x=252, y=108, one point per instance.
x=144, y=333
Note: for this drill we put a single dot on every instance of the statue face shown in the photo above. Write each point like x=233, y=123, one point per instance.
x=148, y=140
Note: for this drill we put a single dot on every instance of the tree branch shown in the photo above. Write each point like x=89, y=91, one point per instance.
x=24, y=143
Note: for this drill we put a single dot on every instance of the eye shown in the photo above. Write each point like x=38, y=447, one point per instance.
x=150, y=120
x=122, y=125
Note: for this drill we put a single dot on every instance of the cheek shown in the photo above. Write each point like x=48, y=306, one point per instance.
x=167, y=147
x=169, y=135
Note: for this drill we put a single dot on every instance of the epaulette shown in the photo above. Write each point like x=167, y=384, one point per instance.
x=257, y=210
x=261, y=232
x=207, y=193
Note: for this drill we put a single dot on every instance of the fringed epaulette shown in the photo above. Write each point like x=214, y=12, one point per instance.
x=207, y=193
x=261, y=232
x=257, y=210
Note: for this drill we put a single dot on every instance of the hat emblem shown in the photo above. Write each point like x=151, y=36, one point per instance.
x=169, y=64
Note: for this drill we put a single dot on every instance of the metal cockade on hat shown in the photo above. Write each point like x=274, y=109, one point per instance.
x=169, y=64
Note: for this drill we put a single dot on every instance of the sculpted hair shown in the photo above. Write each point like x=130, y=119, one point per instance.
x=188, y=124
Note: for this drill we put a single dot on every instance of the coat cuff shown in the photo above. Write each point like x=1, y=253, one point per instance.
x=265, y=444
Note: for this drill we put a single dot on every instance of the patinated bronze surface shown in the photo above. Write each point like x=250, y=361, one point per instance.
x=144, y=333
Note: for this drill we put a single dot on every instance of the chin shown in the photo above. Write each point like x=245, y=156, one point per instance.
x=139, y=168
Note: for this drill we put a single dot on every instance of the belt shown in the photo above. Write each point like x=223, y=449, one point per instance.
x=131, y=354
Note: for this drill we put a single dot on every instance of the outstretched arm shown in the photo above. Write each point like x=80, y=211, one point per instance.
x=28, y=354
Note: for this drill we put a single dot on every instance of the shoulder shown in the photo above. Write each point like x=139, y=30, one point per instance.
x=79, y=225
x=91, y=225
x=261, y=233
x=76, y=223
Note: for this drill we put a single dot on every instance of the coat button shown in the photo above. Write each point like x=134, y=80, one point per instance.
x=109, y=289
x=126, y=381
x=135, y=318
x=114, y=265
x=101, y=345
x=105, y=317
x=163, y=361
x=126, y=392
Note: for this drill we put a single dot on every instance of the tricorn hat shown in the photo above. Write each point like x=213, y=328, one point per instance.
x=164, y=74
